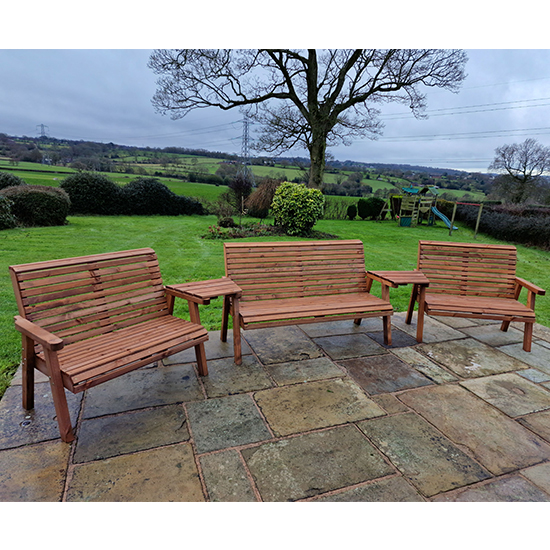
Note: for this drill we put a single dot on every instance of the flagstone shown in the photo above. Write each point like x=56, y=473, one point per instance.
x=165, y=474
x=509, y=489
x=422, y=364
x=349, y=345
x=227, y=378
x=539, y=475
x=394, y=489
x=226, y=422
x=470, y=358
x=225, y=477
x=34, y=473
x=22, y=427
x=425, y=457
x=132, y=431
x=143, y=388
x=281, y=344
x=499, y=443
x=538, y=357
x=333, y=328
x=314, y=463
x=493, y=336
x=538, y=423
x=434, y=330
x=510, y=393
x=389, y=403
x=399, y=339
x=313, y=405
x=534, y=375
x=294, y=372
x=384, y=374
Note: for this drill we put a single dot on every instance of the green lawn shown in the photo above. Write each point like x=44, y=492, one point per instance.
x=185, y=256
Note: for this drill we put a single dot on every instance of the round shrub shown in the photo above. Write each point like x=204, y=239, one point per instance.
x=296, y=208
x=352, y=211
x=10, y=180
x=92, y=193
x=7, y=219
x=38, y=205
x=370, y=208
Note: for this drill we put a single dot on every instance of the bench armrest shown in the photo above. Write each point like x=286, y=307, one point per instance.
x=38, y=334
x=530, y=286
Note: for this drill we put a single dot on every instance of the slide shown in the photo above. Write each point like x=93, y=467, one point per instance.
x=446, y=220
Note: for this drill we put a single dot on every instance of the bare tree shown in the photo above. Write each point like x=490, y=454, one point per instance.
x=521, y=167
x=311, y=98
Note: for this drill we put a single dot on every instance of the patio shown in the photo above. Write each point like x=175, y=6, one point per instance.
x=321, y=412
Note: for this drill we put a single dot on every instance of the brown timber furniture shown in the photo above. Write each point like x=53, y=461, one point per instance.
x=474, y=281
x=290, y=283
x=90, y=319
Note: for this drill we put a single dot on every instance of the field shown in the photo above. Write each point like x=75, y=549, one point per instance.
x=185, y=256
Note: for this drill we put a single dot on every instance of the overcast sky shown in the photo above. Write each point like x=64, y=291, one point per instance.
x=105, y=95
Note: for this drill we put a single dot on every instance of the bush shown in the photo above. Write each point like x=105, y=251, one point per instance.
x=296, y=208
x=38, y=205
x=352, y=211
x=149, y=196
x=92, y=193
x=370, y=208
x=7, y=219
x=261, y=198
x=10, y=180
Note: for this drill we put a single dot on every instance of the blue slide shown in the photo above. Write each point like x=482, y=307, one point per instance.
x=446, y=220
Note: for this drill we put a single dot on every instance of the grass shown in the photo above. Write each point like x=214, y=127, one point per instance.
x=185, y=256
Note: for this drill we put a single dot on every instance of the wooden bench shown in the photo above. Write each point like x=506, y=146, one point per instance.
x=290, y=283
x=473, y=281
x=87, y=320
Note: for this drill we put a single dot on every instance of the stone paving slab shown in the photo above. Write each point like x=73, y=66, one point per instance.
x=538, y=357
x=469, y=358
x=394, y=489
x=295, y=372
x=539, y=475
x=281, y=344
x=434, y=330
x=311, y=464
x=422, y=364
x=492, y=335
x=349, y=345
x=510, y=393
x=534, y=375
x=142, y=388
x=399, y=339
x=109, y=436
x=383, y=374
x=21, y=427
x=497, y=442
x=226, y=478
x=214, y=348
x=34, y=473
x=509, y=489
x=426, y=458
x=538, y=423
x=304, y=407
x=334, y=328
x=165, y=474
x=227, y=378
x=226, y=422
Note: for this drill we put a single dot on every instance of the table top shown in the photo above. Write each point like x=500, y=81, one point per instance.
x=401, y=277
x=205, y=290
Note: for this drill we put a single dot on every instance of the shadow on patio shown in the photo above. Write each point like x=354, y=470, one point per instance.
x=318, y=412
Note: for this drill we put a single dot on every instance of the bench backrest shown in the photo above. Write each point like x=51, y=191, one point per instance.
x=77, y=298
x=274, y=270
x=468, y=269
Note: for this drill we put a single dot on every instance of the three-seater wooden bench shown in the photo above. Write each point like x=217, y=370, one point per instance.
x=90, y=319
x=290, y=283
x=473, y=281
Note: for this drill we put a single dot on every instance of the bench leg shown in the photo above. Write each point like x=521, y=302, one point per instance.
x=236, y=333
x=412, y=301
x=420, y=320
x=504, y=326
x=59, y=398
x=386, y=321
x=200, y=354
x=527, y=336
x=225, y=318
x=357, y=321
x=28, y=363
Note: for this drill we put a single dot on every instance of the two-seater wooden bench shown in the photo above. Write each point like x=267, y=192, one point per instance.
x=90, y=319
x=290, y=283
x=473, y=281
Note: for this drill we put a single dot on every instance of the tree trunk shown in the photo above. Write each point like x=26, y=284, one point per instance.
x=317, y=157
